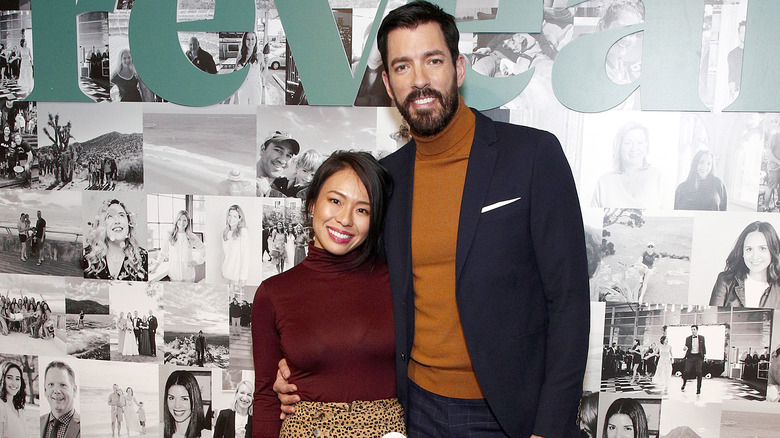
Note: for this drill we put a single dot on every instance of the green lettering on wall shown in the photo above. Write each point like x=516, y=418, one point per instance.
x=671, y=52
x=759, y=91
x=56, y=49
x=160, y=61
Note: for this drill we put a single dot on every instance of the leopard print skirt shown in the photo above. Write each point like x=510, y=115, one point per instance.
x=359, y=419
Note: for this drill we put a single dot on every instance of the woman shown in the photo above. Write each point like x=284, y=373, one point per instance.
x=23, y=227
x=121, y=328
x=131, y=418
x=335, y=306
x=289, y=243
x=752, y=274
x=301, y=242
x=237, y=422
x=235, y=248
x=113, y=252
x=183, y=413
x=8, y=154
x=636, y=358
x=131, y=344
x=25, y=81
x=250, y=92
x=625, y=419
x=664, y=371
x=183, y=250
x=13, y=396
x=126, y=79
x=633, y=182
x=702, y=190
x=624, y=59
x=145, y=340
x=278, y=240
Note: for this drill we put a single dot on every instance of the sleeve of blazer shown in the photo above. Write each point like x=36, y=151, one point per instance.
x=219, y=428
x=558, y=242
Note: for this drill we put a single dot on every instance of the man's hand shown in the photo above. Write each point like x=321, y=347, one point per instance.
x=285, y=391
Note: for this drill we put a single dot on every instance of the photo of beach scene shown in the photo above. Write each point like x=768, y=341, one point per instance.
x=196, y=324
x=200, y=151
x=94, y=147
x=35, y=334
x=89, y=324
x=137, y=299
x=741, y=418
x=30, y=375
x=138, y=386
x=62, y=247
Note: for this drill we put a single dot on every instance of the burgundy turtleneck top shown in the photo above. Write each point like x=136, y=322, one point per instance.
x=334, y=325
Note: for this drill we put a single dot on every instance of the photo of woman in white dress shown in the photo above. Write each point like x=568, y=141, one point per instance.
x=25, y=68
x=250, y=92
x=131, y=345
x=182, y=249
x=235, y=247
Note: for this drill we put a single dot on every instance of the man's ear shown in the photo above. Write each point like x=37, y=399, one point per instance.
x=460, y=69
x=386, y=81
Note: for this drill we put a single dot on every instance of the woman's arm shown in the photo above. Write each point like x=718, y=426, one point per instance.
x=220, y=427
x=198, y=250
x=720, y=291
x=266, y=352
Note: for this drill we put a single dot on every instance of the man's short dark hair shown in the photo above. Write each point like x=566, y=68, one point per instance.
x=694, y=326
x=62, y=366
x=413, y=14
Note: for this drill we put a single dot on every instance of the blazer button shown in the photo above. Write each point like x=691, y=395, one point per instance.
x=403, y=357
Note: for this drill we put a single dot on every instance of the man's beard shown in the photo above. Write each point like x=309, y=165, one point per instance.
x=430, y=122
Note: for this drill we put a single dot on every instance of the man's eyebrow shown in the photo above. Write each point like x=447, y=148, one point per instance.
x=435, y=52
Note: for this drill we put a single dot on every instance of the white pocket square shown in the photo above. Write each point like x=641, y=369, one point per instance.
x=498, y=204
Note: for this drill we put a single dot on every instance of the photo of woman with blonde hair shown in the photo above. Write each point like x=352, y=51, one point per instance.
x=235, y=247
x=113, y=251
x=182, y=249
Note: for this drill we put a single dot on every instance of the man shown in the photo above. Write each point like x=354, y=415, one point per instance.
x=152, y=332
x=695, y=350
x=24, y=155
x=40, y=237
x=234, y=310
x=60, y=388
x=274, y=157
x=734, y=60
x=137, y=329
x=486, y=252
x=200, y=348
x=201, y=58
x=117, y=402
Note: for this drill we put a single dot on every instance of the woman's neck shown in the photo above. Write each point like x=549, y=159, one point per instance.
x=242, y=411
x=758, y=276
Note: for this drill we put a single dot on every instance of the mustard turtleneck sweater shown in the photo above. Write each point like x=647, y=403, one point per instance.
x=440, y=361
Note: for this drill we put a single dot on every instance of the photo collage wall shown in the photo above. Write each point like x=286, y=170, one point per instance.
x=680, y=211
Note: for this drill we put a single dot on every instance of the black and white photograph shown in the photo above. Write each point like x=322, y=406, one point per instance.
x=293, y=142
x=372, y=90
x=233, y=404
x=88, y=320
x=286, y=235
x=592, y=381
x=125, y=84
x=43, y=233
x=91, y=147
x=649, y=349
x=731, y=43
x=232, y=235
x=769, y=188
x=739, y=418
x=19, y=390
x=137, y=322
x=644, y=257
x=240, y=313
x=622, y=416
x=32, y=319
x=93, y=59
x=176, y=248
x=186, y=401
x=120, y=399
x=115, y=235
x=683, y=419
x=202, y=49
x=60, y=387
x=196, y=325
x=628, y=159
x=392, y=132
x=200, y=151
x=740, y=268
x=702, y=167
x=15, y=5
x=21, y=160
x=16, y=54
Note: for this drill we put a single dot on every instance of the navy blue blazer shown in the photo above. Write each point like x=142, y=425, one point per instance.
x=521, y=276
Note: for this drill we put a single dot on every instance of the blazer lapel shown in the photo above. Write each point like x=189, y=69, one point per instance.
x=399, y=216
x=482, y=161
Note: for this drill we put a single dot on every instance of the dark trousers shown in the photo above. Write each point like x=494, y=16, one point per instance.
x=435, y=416
x=693, y=363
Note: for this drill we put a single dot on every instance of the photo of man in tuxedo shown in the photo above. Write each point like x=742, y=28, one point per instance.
x=152, y=332
x=695, y=350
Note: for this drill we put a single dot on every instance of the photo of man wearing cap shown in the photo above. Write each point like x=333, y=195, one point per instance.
x=273, y=159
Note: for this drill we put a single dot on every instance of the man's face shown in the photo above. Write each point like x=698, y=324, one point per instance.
x=60, y=391
x=194, y=46
x=274, y=158
x=694, y=331
x=39, y=214
x=135, y=314
x=421, y=77
x=116, y=388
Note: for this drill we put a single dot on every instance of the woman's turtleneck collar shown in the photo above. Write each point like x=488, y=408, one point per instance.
x=460, y=128
x=321, y=260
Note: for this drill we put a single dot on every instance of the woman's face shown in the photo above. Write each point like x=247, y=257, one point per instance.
x=244, y=397
x=7, y=131
x=705, y=166
x=232, y=219
x=127, y=60
x=341, y=214
x=756, y=253
x=117, y=223
x=303, y=176
x=251, y=40
x=633, y=149
x=121, y=315
x=129, y=392
x=620, y=426
x=179, y=403
x=12, y=381
x=181, y=223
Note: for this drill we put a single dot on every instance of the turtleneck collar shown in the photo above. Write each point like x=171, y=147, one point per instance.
x=321, y=260
x=454, y=134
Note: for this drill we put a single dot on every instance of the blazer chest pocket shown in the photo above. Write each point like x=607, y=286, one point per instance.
x=503, y=209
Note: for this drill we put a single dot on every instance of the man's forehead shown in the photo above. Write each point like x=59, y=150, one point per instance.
x=281, y=145
x=422, y=38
